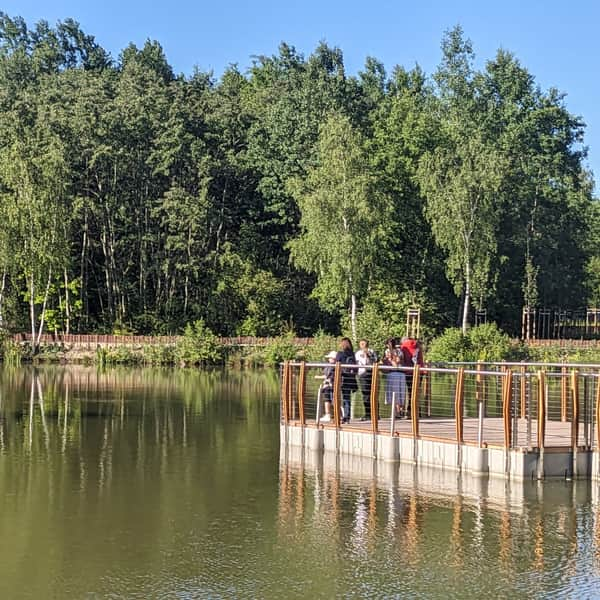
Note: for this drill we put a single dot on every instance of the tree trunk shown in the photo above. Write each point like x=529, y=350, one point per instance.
x=2, y=288
x=67, y=305
x=32, y=312
x=43, y=313
x=467, y=304
x=353, y=316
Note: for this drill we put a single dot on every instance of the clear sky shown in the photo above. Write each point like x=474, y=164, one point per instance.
x=555, y=40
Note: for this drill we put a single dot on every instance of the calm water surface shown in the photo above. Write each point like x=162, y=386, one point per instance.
x=170, y=484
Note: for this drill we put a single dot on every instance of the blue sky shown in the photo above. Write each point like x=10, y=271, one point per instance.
x=555, y=40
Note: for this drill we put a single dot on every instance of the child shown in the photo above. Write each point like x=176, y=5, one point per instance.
x=327, y=385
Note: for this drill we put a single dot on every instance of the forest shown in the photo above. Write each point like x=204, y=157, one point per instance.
x=290, y=196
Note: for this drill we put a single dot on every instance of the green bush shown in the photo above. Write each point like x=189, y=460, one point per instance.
x=279, y=349
x=451, y=346
x=198, y=346
x=484, y=342
x=158, y=354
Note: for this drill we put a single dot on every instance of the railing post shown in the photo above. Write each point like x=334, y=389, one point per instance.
x=291, y=403
x=284, y=391
x=598, y=412
x=373, y=398
x=414, y=401
x=506, y=406
x=427, y=392
x=458, y=404
x=302, y=391
x=337, y=388
x=563, y=394
x=523, y=392
x=541, y=424
x=575, y=421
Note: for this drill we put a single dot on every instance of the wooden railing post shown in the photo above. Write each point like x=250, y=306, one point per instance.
x=302, y=391
x=414, y=401
x=337, y=389
x=284, y=391
x=374, y=397
x=563, y=394
x=506, y=406
x=291, y=403
x=541, y=424
x=459, y=396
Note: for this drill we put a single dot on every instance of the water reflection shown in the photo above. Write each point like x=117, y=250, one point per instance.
x=158, y=484
x=445, y=534
x=132, y=482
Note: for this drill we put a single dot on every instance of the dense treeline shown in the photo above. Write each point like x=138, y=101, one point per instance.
x=290, y=196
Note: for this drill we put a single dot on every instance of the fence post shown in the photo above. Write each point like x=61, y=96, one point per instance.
x=523, y=392
x=575, y=421
x=284, y=391
x=414, y=401
x=598, y=412
x=541, y=425
x=291, y=403
x=506, y=406
x=563, y=394
x=337, y=388
x=374, y=396
x=302, y=391
x=458, y=404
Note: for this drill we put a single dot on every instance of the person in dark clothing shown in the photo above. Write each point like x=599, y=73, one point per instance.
x=364, y=357
x=326, y=388
x=346, y=357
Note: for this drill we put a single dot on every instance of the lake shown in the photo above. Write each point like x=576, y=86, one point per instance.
x=149, y=483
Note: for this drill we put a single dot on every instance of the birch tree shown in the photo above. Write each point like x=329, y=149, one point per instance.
x=343, y=219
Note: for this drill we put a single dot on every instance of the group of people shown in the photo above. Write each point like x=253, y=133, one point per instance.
x=404, y=352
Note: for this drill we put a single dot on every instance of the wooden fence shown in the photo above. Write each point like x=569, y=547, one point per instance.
x=142, y=340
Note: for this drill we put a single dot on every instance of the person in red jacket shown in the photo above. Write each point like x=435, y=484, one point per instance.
x=412, y=355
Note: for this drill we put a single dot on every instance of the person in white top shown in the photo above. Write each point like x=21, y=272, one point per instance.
x=364, y=357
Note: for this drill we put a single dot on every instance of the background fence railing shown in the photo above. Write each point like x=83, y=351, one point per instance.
x=141, y=340
x=500, y=405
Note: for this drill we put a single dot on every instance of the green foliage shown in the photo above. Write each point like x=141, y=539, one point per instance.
x=484, y=342
x=132, y=199
x=159, y=354
x=322, y=344
x=383, y=315
x=279, y=349
x=198, y=346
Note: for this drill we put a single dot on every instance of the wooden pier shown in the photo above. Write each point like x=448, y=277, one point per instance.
x=512, y=420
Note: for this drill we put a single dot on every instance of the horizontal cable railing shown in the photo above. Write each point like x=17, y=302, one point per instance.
x=509, y=406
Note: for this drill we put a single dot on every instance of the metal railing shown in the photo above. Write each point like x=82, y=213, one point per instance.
x=510, y=405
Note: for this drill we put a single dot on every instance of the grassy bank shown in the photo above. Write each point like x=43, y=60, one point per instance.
x=200, y=347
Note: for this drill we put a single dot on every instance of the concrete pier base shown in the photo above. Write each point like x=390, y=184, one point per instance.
x=447, y=456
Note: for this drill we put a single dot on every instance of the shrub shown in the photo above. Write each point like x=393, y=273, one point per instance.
x=490, y=344
x=484, y=342
x=451, y=346
x=279, y=349
x=198, y=346
x=158, y=354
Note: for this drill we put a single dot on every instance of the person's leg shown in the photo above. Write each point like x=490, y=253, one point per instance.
x=327, y=397
x=346, y=393
x=404, y=401
x=364, y=382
